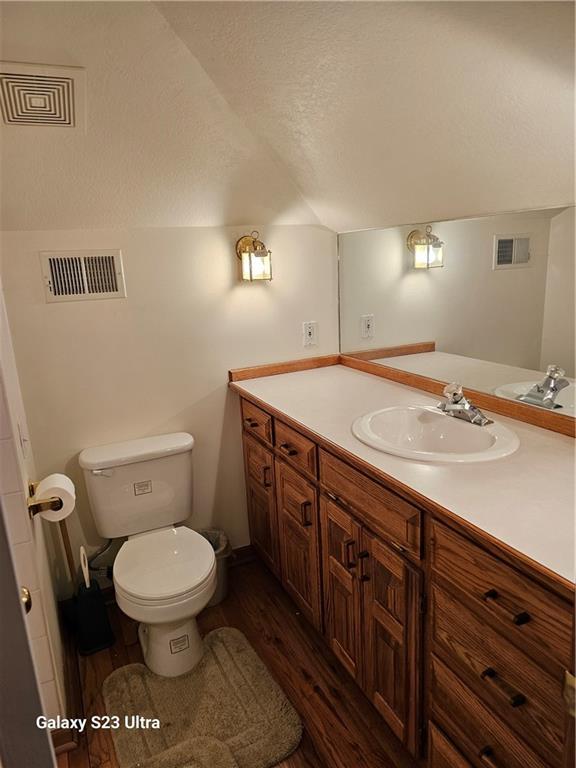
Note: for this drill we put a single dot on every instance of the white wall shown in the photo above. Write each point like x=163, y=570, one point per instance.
x=558, y=343
x=31, y=542
x=102, y=371
x=466, y=307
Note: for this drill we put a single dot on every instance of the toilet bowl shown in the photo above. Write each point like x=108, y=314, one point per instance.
x=163, y=579
x=165, y=573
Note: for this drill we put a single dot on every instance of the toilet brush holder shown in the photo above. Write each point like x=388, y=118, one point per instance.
x=94, y=632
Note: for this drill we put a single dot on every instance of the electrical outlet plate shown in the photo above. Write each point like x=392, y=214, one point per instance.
x=367, y=326
x=310, y=333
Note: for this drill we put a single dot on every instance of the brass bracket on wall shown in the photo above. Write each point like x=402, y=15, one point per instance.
x=54, y=503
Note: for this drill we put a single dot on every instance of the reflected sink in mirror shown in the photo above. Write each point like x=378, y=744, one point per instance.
x=423, y=433
x=566, y=398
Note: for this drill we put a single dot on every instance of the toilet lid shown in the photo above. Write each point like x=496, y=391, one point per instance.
x=163, y=564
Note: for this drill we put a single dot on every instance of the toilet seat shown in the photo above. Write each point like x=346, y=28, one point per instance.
x=164, y=567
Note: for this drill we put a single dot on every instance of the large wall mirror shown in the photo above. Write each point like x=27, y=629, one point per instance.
x=487, y=302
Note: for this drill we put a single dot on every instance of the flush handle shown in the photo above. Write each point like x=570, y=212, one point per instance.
x=102, y=472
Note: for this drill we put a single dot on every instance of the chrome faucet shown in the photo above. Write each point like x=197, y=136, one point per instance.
x=458, y=406
x=545, y=393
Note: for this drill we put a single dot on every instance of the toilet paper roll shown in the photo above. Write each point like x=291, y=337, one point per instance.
x=57, y=485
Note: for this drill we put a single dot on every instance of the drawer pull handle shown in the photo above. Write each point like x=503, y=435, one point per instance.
x=267, y=477
x=251, y=422
x=305, y=519
x=517, y=618
x=363, y=557
x=486, y=755
x=514, y=699
x=287, y=449
x=337, y=499
x=348, y=553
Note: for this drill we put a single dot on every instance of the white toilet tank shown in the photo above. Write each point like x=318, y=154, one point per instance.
x=139, y=485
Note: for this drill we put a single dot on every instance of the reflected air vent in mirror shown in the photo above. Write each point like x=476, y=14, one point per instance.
x=82, y=275
x=511, y=251
x=39, y=95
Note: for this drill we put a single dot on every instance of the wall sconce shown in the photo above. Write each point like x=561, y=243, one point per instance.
x=255, y=257
x=427, y=249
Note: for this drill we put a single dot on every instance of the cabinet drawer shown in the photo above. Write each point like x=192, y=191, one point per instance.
x=529, y=614
x=296, y=448
x=259, y=463
x=441, y=752
x=479, y=734
x=383, y=511
x=256, y=421
x=514, y=687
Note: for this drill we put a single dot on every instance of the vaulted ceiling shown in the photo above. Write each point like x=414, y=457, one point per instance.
x=350, y=115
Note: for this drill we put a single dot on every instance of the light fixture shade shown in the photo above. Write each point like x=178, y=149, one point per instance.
x=256, y=265
x=427, y=249
x=256, y=259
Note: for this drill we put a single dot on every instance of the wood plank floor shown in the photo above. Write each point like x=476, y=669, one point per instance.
x=341, y=728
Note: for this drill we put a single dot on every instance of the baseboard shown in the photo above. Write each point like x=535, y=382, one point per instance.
x=66, y=739
x=242, y=555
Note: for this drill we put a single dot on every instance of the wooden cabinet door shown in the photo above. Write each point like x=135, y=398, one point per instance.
x=340, y=547
x=299, y=545
x=391, y=633
x=262, y=517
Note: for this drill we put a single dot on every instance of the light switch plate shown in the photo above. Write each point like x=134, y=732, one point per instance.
x=367, y=326
x=310, y=333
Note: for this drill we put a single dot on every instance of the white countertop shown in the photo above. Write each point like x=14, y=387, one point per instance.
x=525, y=500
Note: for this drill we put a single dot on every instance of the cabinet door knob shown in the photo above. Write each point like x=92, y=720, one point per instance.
x=348, y=553
x=304, y=517
x=26, y=599
x=267, y=477
x=363, y=558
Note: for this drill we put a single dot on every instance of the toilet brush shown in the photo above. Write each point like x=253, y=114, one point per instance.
x=93, y=627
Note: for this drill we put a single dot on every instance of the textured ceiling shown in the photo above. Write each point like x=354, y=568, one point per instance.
x=351, y=115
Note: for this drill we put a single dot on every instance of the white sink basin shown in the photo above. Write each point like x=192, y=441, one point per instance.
x=423, y=433
x=566, y=397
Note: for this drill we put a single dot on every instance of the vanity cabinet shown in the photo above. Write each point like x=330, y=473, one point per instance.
x=367, y=567
x=261, y=502
x=500, y=644
x=341, y=542
x=298, y=534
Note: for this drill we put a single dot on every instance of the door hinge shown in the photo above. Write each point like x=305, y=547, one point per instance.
x=569, y=692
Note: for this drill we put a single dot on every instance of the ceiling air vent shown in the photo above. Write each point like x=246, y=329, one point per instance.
x=82, y=275
x=511, y=251
x=39, y=95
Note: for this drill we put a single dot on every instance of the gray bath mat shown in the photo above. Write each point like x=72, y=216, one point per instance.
x=227, y=713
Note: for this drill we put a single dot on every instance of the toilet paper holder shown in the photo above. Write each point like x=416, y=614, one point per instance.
x=54, y=503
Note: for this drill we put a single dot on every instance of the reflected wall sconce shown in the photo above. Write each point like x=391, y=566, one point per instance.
x=426, y=247
x=255, y=257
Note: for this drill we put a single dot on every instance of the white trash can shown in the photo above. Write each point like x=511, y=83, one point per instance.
x=222, y=550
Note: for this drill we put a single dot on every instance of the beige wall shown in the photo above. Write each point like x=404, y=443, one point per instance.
x=466, y=307
x=558, y=335
x=101, y=371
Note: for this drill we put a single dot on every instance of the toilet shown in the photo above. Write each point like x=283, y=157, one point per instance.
x=165, y=573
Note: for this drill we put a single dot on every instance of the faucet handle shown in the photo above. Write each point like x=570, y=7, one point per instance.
x=554, y=371
x=453, y=391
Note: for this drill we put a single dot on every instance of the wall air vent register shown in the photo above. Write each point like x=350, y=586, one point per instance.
x=82, y=275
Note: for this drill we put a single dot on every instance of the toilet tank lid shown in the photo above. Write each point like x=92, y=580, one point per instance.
x=132, y=451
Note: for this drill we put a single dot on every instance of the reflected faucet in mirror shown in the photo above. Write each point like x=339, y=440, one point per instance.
x=457, y=405
x=544, y=394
